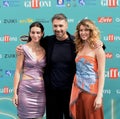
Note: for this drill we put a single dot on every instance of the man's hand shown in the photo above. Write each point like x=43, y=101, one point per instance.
x=98, y=44
x=19, y=50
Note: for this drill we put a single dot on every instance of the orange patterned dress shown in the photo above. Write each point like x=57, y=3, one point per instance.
x=85, y=86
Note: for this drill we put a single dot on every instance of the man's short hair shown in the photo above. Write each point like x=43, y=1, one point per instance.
x=59, y=16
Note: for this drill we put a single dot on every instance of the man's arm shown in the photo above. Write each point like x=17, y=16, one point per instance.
x=99, y=43
x=19, y=50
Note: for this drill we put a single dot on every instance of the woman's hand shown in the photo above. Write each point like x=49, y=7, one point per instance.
x=98, y=102
x=15, y=100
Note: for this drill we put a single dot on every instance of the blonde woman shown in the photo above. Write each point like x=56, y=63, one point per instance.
x=88, y=84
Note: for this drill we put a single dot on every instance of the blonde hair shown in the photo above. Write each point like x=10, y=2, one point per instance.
x=94, y=34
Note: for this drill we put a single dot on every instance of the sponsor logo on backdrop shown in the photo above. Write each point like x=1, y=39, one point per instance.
x=117, y=19
x=60, y=3
x=105, y=19
x=111, y=38
x=71, y=3
x=10, y=55
x=24, y=37
x=74, y=3
x=109, y=55
x=81, y=2
x=113, y=73
x=28, y=20
x=9, y=21
x=107, y=91
x=110, y=3
x=6, y=90
x=67, y=3
x=117, y=55
x=9, y=73
x=43, y=20
x=117, y=91
x=0, y=56
x=11, y=3
x=70, y=20
x=37, y=3
x=1, y=73
x=87, y=2
x=8, y=38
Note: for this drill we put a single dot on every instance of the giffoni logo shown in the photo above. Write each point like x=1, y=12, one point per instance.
x=37, y=3
x=113, y=73
x=110, y=3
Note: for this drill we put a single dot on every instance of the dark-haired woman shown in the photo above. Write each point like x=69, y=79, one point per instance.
x=29, y=92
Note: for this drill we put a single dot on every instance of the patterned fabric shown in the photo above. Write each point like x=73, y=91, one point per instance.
x=86, y=73
x=85, y=80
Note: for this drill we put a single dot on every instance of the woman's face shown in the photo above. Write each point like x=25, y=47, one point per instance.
x=36, y=34
x=84, y=32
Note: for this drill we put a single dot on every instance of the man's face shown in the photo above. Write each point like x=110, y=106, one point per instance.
x=60, y=28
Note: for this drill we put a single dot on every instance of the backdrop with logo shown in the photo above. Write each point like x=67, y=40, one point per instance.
x=17, y=15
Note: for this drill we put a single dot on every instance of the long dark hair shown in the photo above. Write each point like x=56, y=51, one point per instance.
x=37, y=24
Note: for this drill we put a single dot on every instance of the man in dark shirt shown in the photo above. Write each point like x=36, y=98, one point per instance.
x=60, y=68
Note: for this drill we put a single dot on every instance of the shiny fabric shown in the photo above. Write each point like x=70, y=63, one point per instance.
x=31, y=103
x=31, y=92
x=32, y=67
x=85, y=108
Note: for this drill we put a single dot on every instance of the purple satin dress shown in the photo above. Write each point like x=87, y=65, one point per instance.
x=31, y=92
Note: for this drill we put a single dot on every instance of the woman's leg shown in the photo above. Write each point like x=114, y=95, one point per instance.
x=85, y=109
x=80, y=113
x=90, y=112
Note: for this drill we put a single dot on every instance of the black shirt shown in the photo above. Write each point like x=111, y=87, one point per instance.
x=62, y=64
x=60, y=58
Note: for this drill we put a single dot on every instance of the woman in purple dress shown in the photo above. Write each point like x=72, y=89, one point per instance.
x=29, y=92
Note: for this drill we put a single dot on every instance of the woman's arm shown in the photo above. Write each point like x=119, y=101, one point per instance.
x=19, y=65
x=100, y=55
